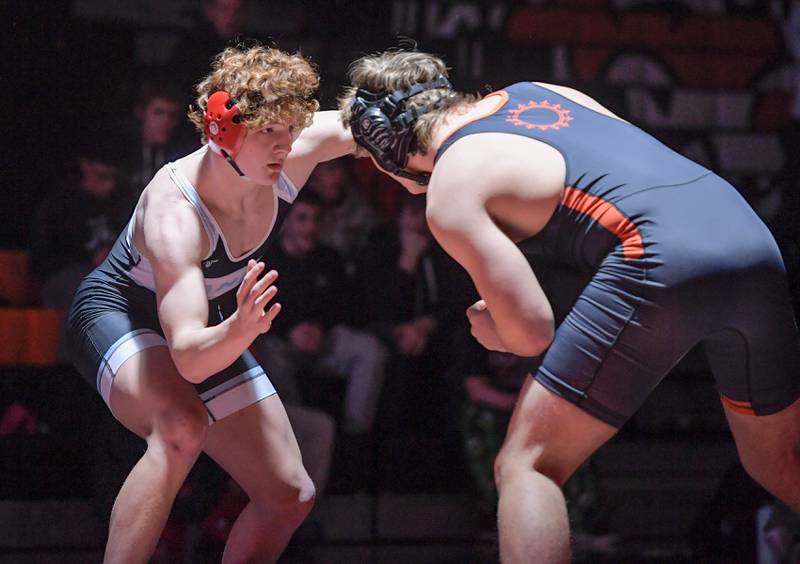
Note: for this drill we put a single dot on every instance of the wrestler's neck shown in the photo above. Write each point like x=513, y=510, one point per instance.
x=450, y=123
x=222, y=188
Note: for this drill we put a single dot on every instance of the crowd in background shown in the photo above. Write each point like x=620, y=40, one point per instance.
x=372, y=343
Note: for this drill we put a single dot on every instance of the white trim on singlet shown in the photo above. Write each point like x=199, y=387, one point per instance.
x=284, y=189
x=215, y=287
x=212, y=229
x=129, y=238
x=287, y=191
x=245, y=394
x=227, y=385
x=124, y=348
x=141, y=271
x=245, y=389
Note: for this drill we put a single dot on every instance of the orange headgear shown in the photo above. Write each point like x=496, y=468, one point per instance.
x=224, y=127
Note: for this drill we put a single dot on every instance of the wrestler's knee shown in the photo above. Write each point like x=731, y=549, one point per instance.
x=516, y=459
x=293, y=496
x=182, y=429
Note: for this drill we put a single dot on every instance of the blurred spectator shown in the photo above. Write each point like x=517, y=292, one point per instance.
x=312, y=333
x=413, y=297
x=219, y=22
x=780, y=535
x=793, y=43
x=399, y=260
x=150, y=135
x=74, y=227
x=346, y=218
x=382, y=193
x=725, y=529
x=786, y=224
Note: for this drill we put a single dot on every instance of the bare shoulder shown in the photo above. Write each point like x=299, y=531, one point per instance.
x=167, y=225
x=487, y=165
x=512, y=179
x=580, y=98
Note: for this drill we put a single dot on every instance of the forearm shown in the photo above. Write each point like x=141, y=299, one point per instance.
x=519, y=309
x=518, y=306
x=202, y=352
x=333, y=139
x=524, y=333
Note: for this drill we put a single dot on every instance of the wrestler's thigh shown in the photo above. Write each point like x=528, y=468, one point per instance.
x=257, y=447
x=551, y=434
x=148, y=393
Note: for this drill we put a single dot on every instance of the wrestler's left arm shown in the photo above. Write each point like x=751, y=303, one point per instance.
x=325, y=139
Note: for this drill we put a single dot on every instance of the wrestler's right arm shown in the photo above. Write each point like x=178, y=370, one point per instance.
x=477, y=175
x=173, y=239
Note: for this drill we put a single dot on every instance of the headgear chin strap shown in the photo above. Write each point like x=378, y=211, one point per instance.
x=382, y=125
x=224, y=127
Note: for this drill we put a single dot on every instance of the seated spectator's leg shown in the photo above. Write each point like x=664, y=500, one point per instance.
x=361, y=358
x=281, y=365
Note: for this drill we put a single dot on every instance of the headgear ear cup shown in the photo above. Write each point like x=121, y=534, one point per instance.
x=381, y=123
x=223, y=124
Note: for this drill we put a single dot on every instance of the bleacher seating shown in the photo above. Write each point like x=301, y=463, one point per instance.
x=29, y=334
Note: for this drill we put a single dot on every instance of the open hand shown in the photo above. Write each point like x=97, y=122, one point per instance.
x=253, y=296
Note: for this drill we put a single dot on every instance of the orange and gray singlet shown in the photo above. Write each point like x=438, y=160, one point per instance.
x=114, y=316
x=677, y=258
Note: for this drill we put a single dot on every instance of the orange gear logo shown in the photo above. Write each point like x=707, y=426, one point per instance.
x=540, y=115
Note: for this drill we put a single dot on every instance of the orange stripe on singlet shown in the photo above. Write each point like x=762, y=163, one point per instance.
x=743, y=407
x=603, y=212
x=609, y=217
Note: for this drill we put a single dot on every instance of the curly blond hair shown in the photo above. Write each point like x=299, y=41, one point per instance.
x=270, y=86
x=394, y=70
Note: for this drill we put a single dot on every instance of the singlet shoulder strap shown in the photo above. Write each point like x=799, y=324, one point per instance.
x=287, y=191
x=456, y=134
x=190, y=193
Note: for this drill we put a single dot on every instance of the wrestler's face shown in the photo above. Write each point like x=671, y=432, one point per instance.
x=264, y=152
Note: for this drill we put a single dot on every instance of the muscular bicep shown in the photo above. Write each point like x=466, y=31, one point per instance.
x=501, y=274
x=499, y=270
x=325, y=139
x=175, y=242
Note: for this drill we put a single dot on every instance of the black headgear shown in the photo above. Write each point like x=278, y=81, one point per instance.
x=382, y=125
